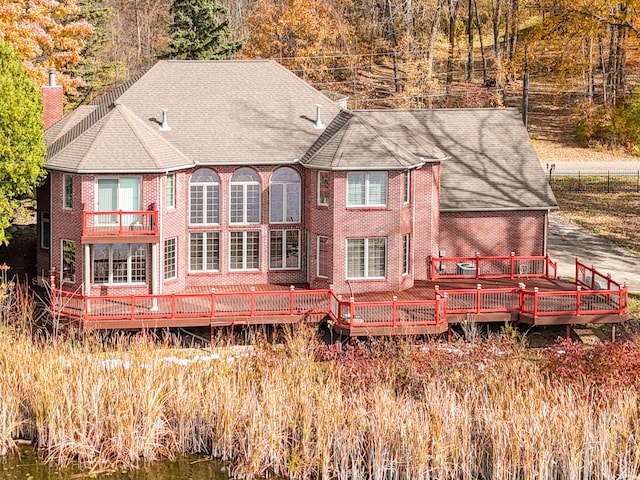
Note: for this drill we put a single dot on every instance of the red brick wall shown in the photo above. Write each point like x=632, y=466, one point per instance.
x=463, y=234
x=319, y=222
x=419, y=219
x=53, y=102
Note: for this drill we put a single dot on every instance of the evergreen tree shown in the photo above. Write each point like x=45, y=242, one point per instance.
x=22, y=148
x=200, y=31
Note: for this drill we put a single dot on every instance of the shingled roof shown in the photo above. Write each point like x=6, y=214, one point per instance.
x=492, y=164
x=353, y=142
x=220, y=112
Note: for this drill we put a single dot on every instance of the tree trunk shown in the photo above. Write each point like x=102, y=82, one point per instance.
x=469, y=40
x=482, y=55
x=432, y=38
x=453, y=15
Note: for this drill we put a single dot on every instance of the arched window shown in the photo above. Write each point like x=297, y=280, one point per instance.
x=284, y=196
x=204, y=197
x=245, y=196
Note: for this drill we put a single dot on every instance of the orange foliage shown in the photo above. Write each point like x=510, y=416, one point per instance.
x=298, y=28
x=45, y=35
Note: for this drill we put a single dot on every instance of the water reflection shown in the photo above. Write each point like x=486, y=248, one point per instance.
x=26, y=464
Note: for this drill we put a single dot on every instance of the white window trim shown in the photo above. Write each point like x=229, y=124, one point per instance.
x=406, y=187
x=245, y=210
x=113, y=177
x=164, y=259
x=366, y=258
x=62, y=278
x=205, y=212
x=66, y=176
x=366, y=203
x=110, y=282
x=204, y=252
x=285, y=187
x=244, y=252
x=406, y=254
x=171, y=205
x=284, y=250
x=318, y=255
x=45, y=218
x=325, y=204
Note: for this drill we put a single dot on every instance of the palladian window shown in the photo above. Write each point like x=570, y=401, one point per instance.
x=284, y=196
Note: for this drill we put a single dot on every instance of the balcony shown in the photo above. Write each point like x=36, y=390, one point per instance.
x=139, y=225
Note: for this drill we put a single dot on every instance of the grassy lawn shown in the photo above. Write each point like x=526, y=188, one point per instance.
x=615, y=216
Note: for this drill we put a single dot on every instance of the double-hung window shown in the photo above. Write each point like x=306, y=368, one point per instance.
x=170, y=258
x=245, y=197
x=284, y=196
x=204, y=251
x=406, y=244
x=367, y=189
x=170, y=192
x=204, y=197
x=284, y=249
x=244, y=250
x=68, y=261
x=323, y=187
x=323, y=257
x=67, y=191
x=406, y=186
x=119, y=263
x=366, y=258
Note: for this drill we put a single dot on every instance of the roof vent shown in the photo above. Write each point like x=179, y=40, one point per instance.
x=164, y=127
x=317, y=124
x=52, y=77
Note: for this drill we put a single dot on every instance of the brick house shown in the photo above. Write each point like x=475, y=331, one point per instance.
x=202, y=174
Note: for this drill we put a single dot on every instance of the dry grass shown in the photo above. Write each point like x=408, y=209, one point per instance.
x=488, y=410
x=613, y=216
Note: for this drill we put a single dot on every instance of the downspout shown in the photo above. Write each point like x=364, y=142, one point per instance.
x=545, y=233
x=160, y=284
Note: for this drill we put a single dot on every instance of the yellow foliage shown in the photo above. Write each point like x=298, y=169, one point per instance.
x=42, y=34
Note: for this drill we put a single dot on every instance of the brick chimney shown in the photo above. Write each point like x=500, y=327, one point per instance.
x=53, y=101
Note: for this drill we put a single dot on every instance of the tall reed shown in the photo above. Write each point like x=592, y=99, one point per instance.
x=493, y=410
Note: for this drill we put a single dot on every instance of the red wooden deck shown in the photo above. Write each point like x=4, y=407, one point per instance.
x=427, y=308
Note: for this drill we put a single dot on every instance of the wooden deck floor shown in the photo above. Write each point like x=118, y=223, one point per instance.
x=426, y=289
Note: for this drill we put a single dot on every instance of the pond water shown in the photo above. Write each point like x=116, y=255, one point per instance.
x=27, y=465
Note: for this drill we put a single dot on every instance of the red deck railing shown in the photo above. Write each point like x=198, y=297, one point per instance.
x=392, y=313
x=120, y=223
x=590, y=278
x=579, y=302
x=480, y=300
x=349, y=313
x=493, y=267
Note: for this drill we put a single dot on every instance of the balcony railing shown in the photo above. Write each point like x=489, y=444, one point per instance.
x=493, y=267
x=120, y=222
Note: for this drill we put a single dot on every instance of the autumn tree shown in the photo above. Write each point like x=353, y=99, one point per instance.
x=304, y=34
x=45, y=35
x=21, y=145
x=200, y=31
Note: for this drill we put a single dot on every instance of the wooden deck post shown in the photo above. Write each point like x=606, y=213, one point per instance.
x=513, y=264
x=292, y=302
